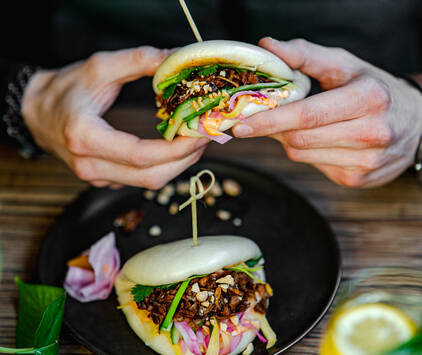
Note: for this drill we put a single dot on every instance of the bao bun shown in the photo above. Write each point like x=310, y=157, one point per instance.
x=238, y=54
x=174, y=262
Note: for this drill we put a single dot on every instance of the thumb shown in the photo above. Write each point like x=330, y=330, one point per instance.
x=332, y=67
x=127, y=65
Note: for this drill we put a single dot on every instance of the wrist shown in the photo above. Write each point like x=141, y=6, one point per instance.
x=415, y=81
x=16, y=127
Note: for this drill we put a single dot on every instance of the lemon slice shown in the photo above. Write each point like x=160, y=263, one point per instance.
x=367, y=329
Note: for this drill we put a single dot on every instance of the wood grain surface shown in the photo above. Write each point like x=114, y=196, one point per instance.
x=376, y=227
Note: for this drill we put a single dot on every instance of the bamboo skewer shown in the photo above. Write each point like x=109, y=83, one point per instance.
x=190, y=20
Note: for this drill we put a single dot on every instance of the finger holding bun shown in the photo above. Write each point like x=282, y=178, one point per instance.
x=205, y=88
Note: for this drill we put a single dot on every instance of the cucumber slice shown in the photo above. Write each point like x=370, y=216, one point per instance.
x=175, y=335
x=193, y=123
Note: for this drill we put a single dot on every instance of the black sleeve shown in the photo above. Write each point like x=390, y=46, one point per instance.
x=8, y=73
x=26, y=39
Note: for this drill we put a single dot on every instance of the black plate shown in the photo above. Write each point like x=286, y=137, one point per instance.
x=301, y=252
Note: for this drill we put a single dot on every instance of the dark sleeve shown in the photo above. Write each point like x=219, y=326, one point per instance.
x=26, y=40
x=8, y=73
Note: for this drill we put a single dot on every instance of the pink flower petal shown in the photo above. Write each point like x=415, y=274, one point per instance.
x=88, y=285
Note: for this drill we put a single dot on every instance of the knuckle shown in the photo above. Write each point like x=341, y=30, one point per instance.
x=83, y=169
x=340, y=52
x=292, y=153
x=370, y=161
x=311, y=117
x=352, y=179
x=378, y=94
x=94, y=65
x=72, y=139
x=153, y=182
x=381, y=135
x=298, y=140
x=300, y=42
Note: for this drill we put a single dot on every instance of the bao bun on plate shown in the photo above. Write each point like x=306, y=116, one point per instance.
x=238, y=54
x=174, y=262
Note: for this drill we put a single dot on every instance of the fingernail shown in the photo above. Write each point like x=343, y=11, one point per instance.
x=242, y=130
x=202, y=142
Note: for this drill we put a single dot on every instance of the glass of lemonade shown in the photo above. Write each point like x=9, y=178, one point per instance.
x=376, y=311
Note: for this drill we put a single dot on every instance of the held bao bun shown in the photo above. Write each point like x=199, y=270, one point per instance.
x=173, y=262
x=239, y=54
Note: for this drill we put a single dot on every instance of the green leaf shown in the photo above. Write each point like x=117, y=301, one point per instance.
x=139, y=292
x=411, y=347
x=169, y=91
x=207, y=70
x=40, y=315
x=48, y=330
x=253, y=262
x=168, y=286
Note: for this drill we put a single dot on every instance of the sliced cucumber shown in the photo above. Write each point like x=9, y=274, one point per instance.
x=193, y=123
x=175, y=335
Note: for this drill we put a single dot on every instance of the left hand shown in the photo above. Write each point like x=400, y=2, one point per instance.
x=362, y=131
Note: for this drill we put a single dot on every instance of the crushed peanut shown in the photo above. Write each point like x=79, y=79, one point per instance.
x=149, y=194
x=210, y=200
x=202, y=296
x=223, y=215
x=206, y=304
x=174, y=208
x=195, y=288
x=228, y=279
x=232, y=187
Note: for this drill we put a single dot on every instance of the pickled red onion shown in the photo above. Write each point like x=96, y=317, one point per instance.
x=240, y=93
x=91, y=285
x=222, y=138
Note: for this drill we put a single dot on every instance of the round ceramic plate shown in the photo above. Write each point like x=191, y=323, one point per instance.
x=301, y=252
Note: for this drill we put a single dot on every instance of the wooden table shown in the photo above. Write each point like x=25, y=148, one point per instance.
x=375, y=227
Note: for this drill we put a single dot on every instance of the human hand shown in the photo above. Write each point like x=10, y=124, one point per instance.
x=63, y=110
x=362, y=131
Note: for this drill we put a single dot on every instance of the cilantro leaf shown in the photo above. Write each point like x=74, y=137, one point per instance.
x=169, y=91
x=253, y=262
x=184, y=74
x=139, y=292
x=168, y=286
x=207, y=70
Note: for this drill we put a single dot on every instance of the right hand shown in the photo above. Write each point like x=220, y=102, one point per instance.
x=63, y=110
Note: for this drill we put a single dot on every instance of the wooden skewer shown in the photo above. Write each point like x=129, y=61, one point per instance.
x=190, y=20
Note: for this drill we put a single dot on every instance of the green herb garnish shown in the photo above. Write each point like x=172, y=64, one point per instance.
x=169, y=91
x=248, y=271
x=175, y=79
x=140, y=292
x=207, y=70
x=253, y=262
